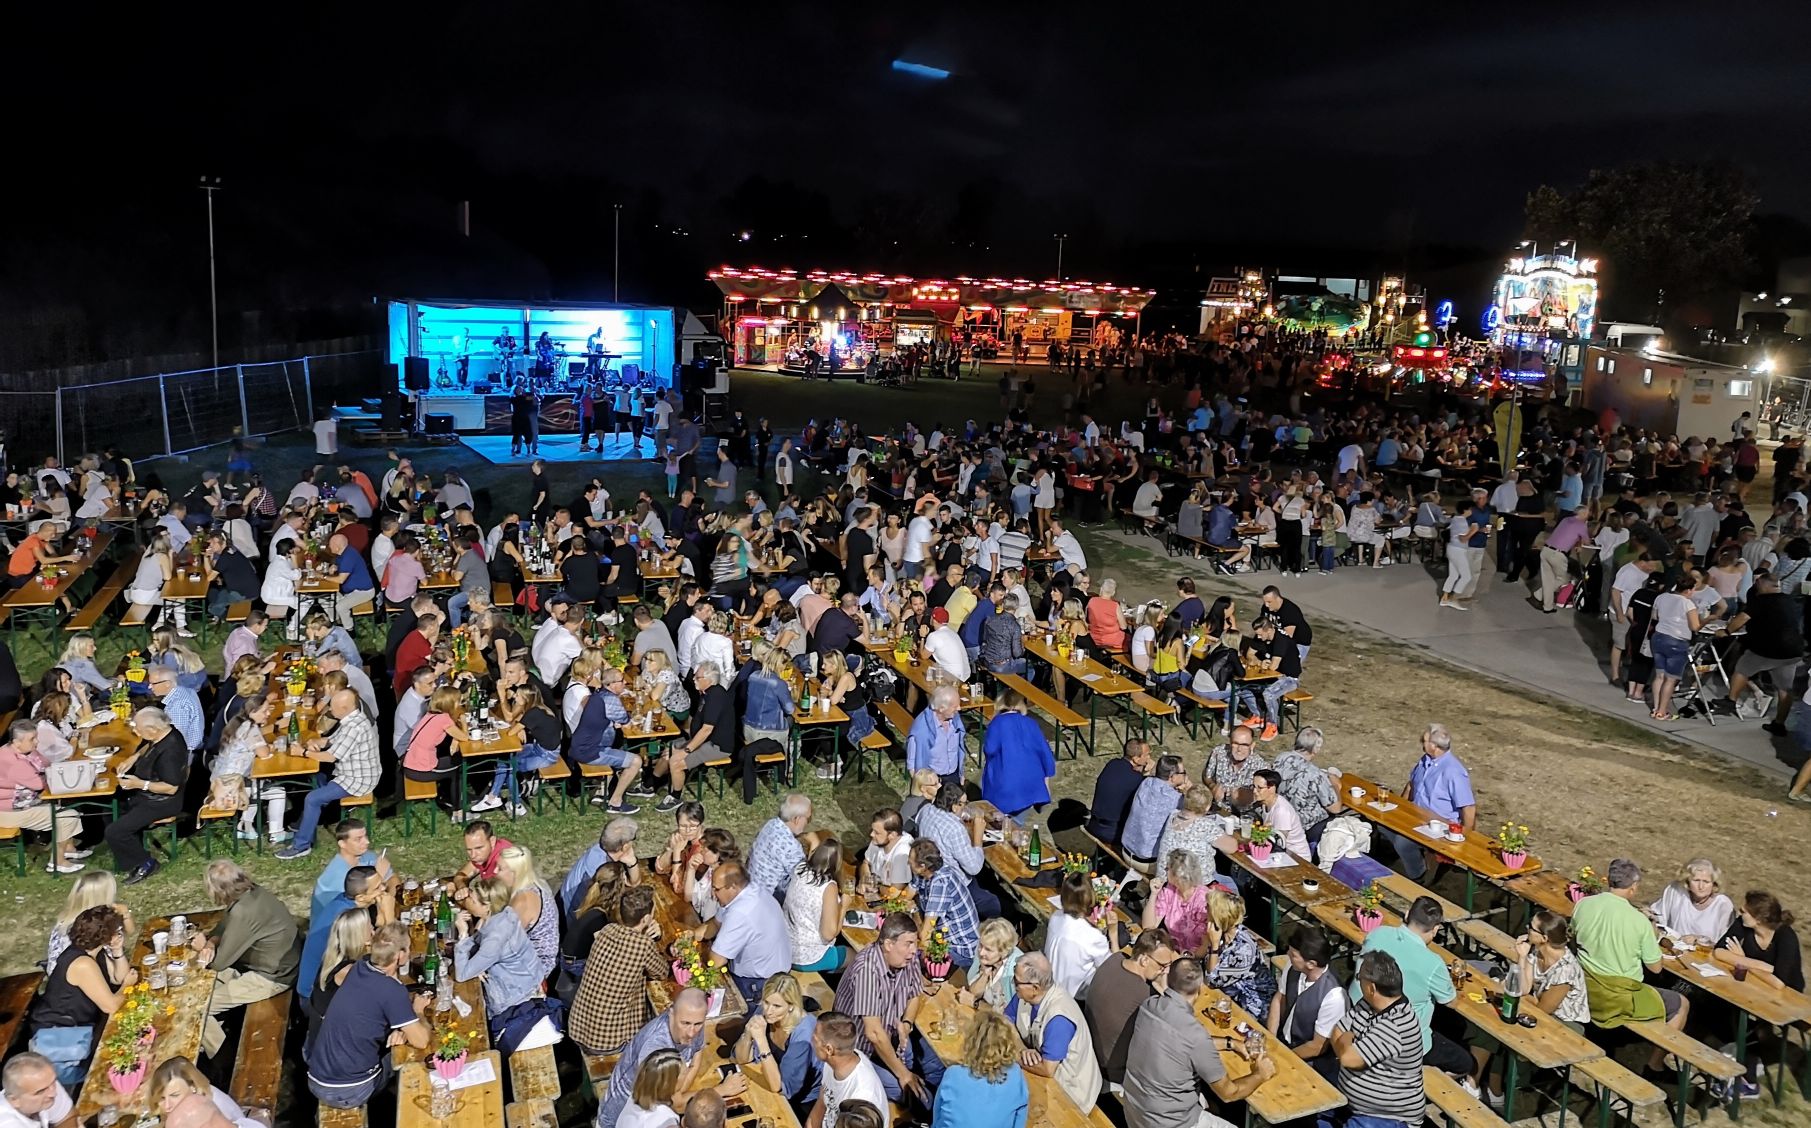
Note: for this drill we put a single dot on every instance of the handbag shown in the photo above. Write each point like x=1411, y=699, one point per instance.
x=68, y=776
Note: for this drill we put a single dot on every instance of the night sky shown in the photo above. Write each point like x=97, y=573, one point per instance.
x=1137, y=129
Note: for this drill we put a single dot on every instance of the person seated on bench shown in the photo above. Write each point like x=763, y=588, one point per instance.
x=1378, y=1046
x=1222, y=531
x=1146, y=500
x=1309, y=1003
x=231, y=577
x=1152, y=805
x=1189, y=522
x=1114, y=788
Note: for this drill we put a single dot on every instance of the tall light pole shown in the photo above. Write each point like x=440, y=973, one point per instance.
x=616, y=256
x=1060, y=240
x=210, y=185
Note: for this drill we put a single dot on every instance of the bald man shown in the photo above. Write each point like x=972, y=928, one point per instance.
x=355, y=753
x=704, y=1110
x=682, y=1029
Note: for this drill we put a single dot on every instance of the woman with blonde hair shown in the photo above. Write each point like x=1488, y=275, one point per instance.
x=1235, y=963
x=660, y=680
x=925, y=783
x=348, y=941
x=429, y=756
x=78, y=659
x=175, y=1079
x=990, y=976
x=492, y=947
x=653, y=1098
x=155, y=568
x=168, y=650
x=988, y=1086
x=1693, y=906
x=531, y=899
x=91, y=891
x=778, y=1039
x=582, y=679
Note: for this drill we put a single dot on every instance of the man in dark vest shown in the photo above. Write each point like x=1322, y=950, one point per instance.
x=1309, y=1002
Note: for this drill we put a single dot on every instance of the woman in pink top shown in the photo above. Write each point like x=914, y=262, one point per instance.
x=22, y=793
x=1181, y=904
x=429, y=757
x=403, y=573
x=1106, y=619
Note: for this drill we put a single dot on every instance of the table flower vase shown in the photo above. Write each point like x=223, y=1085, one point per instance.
x=450, y=1068
x=1514, y=859
x=1368, y=919
x=938, y=970
x=127, y=1083
x=681, y=973
x=1575, y=891
x=1260, y=851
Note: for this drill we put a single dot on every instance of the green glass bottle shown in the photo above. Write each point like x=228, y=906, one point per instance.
x=430, y=967
x=295, y=729
x=1035, y=857
x=443, y=918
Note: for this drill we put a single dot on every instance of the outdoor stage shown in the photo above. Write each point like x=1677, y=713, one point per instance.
x=563, y=447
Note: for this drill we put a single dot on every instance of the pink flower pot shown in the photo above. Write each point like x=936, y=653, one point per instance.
x=1260, y=851
x=681, y=974
x=1575, y=891
x=125, y=1084
x=450, y=1068
x=938, y=970
x=1368, y=920
x=1514, y=859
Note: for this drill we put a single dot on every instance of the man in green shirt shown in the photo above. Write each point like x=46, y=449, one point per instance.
x=255, y=951
x=1616, y=943
x=1425, y=980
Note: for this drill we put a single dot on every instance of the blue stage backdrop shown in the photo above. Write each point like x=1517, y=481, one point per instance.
x=467, y=344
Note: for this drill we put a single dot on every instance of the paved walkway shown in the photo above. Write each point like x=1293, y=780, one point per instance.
x=1565, y=655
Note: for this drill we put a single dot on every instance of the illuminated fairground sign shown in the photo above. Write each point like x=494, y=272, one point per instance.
x=1546, y=293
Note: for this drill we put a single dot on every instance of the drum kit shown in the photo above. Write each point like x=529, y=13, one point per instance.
x=510, y=361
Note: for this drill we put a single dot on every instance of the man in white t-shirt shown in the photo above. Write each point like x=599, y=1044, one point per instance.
x=1351, y=459
x=919, y=534
x=1090, y=431
x=326, y=436
x=32, y=1096
x=846, y=1073
x=887, y=858
x=943, y=646
x=554, y=650
x=1074, y=560
x=1280, y=812
x=1630, y=578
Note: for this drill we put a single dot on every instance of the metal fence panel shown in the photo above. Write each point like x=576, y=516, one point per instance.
x=276, y=397
x=124, y=413
x=27, y=421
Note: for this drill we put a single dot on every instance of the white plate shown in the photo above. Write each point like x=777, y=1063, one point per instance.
x=1460, y=837
x=101, y=753
x=99, y=718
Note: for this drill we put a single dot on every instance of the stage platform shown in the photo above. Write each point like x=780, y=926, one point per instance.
x=559, y=448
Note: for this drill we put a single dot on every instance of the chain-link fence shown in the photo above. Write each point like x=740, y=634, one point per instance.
x=174, y=412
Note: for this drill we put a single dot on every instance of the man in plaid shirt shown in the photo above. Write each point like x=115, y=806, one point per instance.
x=943, y=900
x=353, y=752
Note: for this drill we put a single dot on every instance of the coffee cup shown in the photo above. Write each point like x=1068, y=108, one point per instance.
x=1438, y=826
x=1356, y=792
x=1311, y=886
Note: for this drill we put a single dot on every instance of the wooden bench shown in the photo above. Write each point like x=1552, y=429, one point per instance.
x=330, y=1117
x=1693, y=1057
x=1618, y=1089
x=239, y=611
x=1214, y=712
x=414, y=794
x=136, y=614
x=553, y=779
x=89, y=616
x=1101, y=849
x=816, y=989
x=896, y=715
x=17, y=837
x=502, y=595
x=1400, y=892
x=258, y=1065
x=1150, y=708
x=1456, y=1107
x=211, y=823
x=16, y=995
x=534, y=1074
x=1065, y=719
x=598, y=1068
x=1291, y=710
x=537, y=1113
x=874, y=744
x=602, y=773
x=365, y=804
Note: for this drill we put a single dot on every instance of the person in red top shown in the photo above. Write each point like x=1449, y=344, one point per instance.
x=1106, y=618
x=33, y=553
x=416, y=649
x=482, y=850
x=363, y=481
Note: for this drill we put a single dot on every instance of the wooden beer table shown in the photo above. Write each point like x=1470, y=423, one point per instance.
x=1772, y=1005
x=763, y=1103
x=178, y=1035
x=1296, y=1091
x=1051, y=1106
x=1287, y=883
x=474, y=1106
x=1477, y=854
x=37, y=603
x=1101, y=681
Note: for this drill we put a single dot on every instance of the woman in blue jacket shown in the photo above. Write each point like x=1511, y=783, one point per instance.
x=1016, y=762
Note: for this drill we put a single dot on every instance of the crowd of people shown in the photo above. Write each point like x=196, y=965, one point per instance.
x=953, y=546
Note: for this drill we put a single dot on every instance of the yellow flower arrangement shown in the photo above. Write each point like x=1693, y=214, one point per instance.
x=1513, y=838
x=937, y=946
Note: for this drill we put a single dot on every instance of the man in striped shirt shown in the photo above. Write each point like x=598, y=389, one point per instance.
x=880, y=990
x=1378, y=1044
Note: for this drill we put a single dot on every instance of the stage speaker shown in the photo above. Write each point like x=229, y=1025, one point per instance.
x=392, y=411
x=438, y=423
x=415, y=374
x=482, y=388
